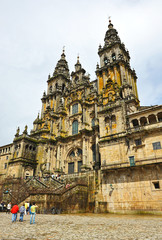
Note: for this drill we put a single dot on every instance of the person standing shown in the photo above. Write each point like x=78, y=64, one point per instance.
x=8, y=207
x=33, y=212
x=22, y=211
x=26, y=206
x=2, y=205
x=14, y=212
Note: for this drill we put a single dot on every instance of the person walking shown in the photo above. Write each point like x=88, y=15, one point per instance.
x=33, y=212
x=22, y=211
x=14, y=212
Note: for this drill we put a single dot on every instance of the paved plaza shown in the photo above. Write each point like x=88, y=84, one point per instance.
x=82, y=226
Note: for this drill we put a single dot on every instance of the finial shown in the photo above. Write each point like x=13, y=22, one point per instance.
x=44, y=93
x=109, y=19
x=99, y=47
x=17, y=132
x=63, y=53
x=110, y=24
x=25, y=130
x=63, y=50
x=78, y=58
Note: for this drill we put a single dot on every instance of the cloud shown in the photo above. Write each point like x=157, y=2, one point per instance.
x=33, y=34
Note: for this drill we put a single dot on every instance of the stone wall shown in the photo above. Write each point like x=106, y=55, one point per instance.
x=137, y=189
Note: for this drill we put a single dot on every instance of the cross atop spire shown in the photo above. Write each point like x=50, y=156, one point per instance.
x=110, y=26
x=78, y=58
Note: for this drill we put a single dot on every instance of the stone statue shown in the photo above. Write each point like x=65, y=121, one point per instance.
x=25, y=130
x=17, y=132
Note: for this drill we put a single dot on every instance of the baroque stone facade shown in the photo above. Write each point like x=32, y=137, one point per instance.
x=95, y=126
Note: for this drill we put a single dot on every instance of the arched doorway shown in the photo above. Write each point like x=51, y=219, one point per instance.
x=74, y=160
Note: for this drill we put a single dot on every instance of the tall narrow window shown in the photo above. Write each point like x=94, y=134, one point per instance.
x=105, y=61
x=75, y=127
x=131, y=161
x=79, y=166
x=113, y=57
x=75, y=108
x=94, y=152
x=93, y=122
x=71, y=167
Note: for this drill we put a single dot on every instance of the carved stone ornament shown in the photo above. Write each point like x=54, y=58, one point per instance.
x=17, y=132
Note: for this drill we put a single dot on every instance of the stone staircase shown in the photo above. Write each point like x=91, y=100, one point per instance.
x=47, y=193
x=16, y=191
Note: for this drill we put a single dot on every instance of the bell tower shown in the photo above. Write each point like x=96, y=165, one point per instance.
x=57, y=85
x=115, y=65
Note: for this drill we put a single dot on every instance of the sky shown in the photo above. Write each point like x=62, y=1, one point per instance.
x=32, y=36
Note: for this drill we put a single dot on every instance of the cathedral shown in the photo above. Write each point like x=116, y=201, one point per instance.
x=94, y=128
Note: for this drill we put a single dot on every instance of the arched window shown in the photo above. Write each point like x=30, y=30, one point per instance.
x=63, y=87
x=27, y=146
x=152, y=119
x=107, y=120
x=113, y=119
x=75, y=127
x=75, y=108
x=113, y=57
x=30, y=147
x=143, y=121
x=79, y=151
x=105, y=61
x=76, y=78
x=50, y=89
x=135, y=123
x=159, y=115
x=72, y=154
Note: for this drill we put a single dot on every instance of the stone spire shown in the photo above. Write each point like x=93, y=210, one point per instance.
x=62, y=67
x=111, y=35
x=78, y=66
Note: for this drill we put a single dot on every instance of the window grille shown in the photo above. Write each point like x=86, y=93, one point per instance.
x=138, y=142
x=156, y=145
x=131, y=161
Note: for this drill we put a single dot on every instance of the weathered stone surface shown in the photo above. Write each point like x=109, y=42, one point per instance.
x=94, y=130
x=78, y=227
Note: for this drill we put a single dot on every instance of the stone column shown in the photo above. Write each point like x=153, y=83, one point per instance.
x=42, y=112
x=95, y=110
x=84, y=114
x=122, y=73
x=97, y=150
x=48, y=159
x=51, y=127
x=58, y=157
x=115, y=74
x=84, y=151
x=157, y=120
x=136, y=92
